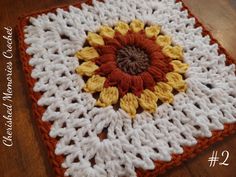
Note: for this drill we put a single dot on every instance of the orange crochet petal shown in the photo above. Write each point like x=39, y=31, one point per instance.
x=105, y=59
x=157, y=55
x=125, y=84
x=122, y=39
x=130, y=39
x=139, y=40
x=157, y=74
x=106, y=68
x=106, y=49
x=114, y=78
x=150, y=46
x=163, y=65
x=148, y=81
x=113, y=42
x=137, y=85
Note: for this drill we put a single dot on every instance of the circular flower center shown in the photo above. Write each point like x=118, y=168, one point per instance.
x=132, y=60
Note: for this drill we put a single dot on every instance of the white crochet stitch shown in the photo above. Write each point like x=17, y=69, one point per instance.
x=209, y=103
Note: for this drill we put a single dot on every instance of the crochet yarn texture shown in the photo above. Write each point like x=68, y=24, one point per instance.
x=208, y=104
x=132, y=67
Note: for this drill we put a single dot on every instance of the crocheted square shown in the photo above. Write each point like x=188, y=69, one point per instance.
x=126, y=88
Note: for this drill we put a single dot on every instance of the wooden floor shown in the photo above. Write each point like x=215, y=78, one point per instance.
x=27, y=157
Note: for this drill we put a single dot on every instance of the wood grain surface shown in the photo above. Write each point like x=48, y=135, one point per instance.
x=28, y=156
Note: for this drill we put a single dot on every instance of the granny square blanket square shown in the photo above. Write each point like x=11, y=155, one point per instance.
x=126, y=88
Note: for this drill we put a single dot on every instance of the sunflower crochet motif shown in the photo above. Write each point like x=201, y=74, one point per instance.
x=132, y=66
x=126, y=88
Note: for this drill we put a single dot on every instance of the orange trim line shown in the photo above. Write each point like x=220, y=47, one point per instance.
x=56, y=160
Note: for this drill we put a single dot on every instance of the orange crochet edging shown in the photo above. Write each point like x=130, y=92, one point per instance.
x=189, y=152
x=203, y=143
x=44, y=127
x=205, y=32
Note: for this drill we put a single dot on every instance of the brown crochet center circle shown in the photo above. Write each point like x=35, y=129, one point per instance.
x=132, y=60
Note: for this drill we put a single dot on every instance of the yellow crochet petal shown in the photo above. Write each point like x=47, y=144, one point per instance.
x=163, y=92
x=181, y=86
x=163, y=40
x=95, y=39
x=163, y=87
x=87, y=53
x=176, y=81
x=95, y=84
x=87, y=68
x=148, y=101
x=106, y=31
x=179, y=67
x=175, y=52
x=136, y=25
x=173, y=77
x=167, y=98
x=152, y=31
x=122, y=27
x=129, y=104
x=108, y=96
